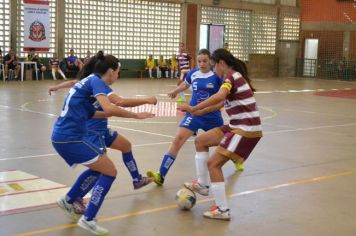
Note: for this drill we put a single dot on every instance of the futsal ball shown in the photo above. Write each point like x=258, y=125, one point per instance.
x=185, y=199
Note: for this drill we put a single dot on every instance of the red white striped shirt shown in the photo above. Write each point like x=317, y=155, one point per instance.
x=241, y=105
x=184, y=59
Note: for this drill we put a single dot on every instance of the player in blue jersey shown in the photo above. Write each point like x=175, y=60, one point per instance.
x=99, y=127
x=70, y=140
x=204, y=83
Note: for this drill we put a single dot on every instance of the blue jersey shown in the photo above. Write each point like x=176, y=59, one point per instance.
x=78, y=108
x=204, y=85
x=97, y=124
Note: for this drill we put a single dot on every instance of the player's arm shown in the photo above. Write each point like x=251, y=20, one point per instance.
x=183, y=86
x=112, y=110
x=67, y=84
x=131, y=102
x=100, y=114
x=217, y=98
x=208, y=109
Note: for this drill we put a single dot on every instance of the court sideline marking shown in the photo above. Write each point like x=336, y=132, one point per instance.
x=173, y=206
x=168, y=142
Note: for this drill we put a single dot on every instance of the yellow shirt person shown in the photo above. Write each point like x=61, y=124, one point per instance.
x=173, y=66
x=150, y=64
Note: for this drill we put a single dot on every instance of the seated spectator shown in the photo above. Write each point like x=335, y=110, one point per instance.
x=87, y=57
x=173, y=66
x=162, y=67
x=150, y=64
x=226, y=46
x=11, y=63
x=32, y=56
x=73, y=62
x=54, y=65
x=1, y=58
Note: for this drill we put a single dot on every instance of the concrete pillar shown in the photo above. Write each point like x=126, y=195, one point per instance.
x=183, y=23
x=13, y=26
x=60, y=9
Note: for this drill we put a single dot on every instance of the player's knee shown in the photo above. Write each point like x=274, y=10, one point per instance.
x=199, y=143
x=211, y=164
x=111, y=171
x=178, y=141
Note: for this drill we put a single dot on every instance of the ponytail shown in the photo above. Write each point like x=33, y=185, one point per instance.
x=241, y=67
x=89, y=66
x=104, y=63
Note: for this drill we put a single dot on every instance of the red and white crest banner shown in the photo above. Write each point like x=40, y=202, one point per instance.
x=36, y=25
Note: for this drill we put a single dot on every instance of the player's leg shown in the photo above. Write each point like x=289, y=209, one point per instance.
x=119, y=142
x=220, y=210
x=183, y=134
x=100, y=176
x=202, y=143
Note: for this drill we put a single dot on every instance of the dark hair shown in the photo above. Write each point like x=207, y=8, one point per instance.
x=204, y=51
x=105, y=63
x=233, y=62
x=88, y=67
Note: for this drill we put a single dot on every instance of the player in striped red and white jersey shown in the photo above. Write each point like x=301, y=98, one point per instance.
x=235, y=140
x=184, y=61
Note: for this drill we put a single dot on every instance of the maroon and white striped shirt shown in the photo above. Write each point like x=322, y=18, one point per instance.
x=184, y=59
x=241, y=105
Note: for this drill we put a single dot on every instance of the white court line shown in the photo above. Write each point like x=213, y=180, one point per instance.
x=141, y=131
x=312, y=112
x=306, y=129
x=144, y=122
x=27, y=110
x=8, y=176
x=152, y=144
x=26, y=157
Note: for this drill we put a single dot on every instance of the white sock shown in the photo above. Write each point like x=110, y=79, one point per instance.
x=54, y=74
x=218, y=191
x=166, y=73
x=176, y=73
x=181, y=94
x=172, y=73
x=62, y=74
x=158, y=73
x=150, y=72
x=201, y=159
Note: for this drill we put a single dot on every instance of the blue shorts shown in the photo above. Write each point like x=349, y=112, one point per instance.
x=105, y=138
x=79, y=152
x=194, y=123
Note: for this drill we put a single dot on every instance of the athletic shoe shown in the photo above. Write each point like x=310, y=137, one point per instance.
x=92, y=226
x=141, y=183
x=79, y=206
x=156, y=176
x=181, y=100
x=217, y=214
x=69, y=209
x=196, y=187
x=239, y=166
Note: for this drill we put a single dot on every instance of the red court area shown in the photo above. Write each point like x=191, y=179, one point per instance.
x=351, y=94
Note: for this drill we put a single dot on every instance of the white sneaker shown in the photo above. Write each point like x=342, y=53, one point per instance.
x=92, y=226
x=69, y=209
x=196, y=187
x=217, y=214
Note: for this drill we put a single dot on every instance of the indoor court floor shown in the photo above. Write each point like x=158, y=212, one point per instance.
x=300, y=179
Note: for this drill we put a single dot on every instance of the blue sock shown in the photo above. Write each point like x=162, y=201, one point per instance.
x=82, y=185
x=167, y=162
x=100, y=190
x=130, y=163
